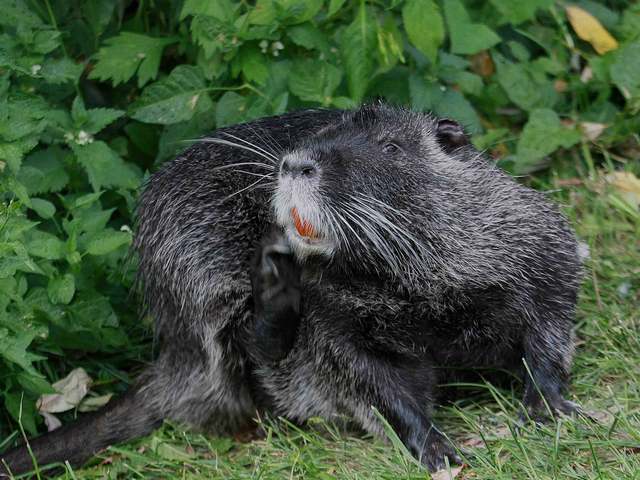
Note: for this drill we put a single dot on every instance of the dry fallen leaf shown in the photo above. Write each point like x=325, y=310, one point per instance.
x=592, y=130
x=628, y=185
x=590, y=30
x=482, y=64
x=71, y=390
x=445, y=475
x=91, y=404
x=51, y=421
x=600, y=416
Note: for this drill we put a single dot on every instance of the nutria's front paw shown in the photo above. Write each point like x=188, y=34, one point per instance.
x=278, y=270
x=434, y=451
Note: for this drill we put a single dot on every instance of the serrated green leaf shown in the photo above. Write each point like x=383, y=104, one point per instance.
x=518, y=11
x=13, y=152
x=231, y=108
x=43, y=171
x=314, y=81
x=625, y=70
x=525, y=90
x=98, y=118
x=424, y=26
x=309, y=37
x=357, y=49
x=45, y=245
x=128, y=53
x=253, y=64
x=221, y=9
x=107, y=241
x=61, y=289
x=22, y=409
x=104, y=166
x=18, y=12
x=335, y=6
x=542, y=135
x=173, y=99
x=466, y=37
x=34, y=383
x=60, y=70
x=44, y=208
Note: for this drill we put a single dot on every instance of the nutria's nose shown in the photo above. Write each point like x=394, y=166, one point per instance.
x=298, y=166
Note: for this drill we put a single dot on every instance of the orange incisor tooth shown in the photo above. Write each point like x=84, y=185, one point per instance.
x=304, y=227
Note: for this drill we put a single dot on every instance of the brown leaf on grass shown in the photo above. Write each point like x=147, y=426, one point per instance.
x=51, y=421
x=600, y=416
x=560, y=85
x=91, y=404
x=482, y=64
x=589, y=29
x=71, y=390
x=446, y=474
x=592, y=130
x=627, y=185
x=568, y=182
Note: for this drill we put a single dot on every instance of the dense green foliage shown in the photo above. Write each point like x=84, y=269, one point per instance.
x=96, y=93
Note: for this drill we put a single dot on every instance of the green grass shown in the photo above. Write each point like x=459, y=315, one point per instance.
x=606, y=381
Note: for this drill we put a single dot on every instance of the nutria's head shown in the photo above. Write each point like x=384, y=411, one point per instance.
x=357, y=190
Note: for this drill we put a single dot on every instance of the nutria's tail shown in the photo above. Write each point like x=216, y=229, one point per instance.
x=127, y=417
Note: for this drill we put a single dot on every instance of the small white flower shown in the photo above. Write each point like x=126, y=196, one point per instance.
x=277, y=46
x=35, y=69
x=264, y=45
x=84, y=137
x=125, y=228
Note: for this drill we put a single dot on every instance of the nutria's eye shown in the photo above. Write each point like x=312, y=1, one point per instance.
x=390, y=148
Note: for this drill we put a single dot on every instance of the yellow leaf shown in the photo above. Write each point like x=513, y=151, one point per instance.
x=627, y=185
x=591, y=30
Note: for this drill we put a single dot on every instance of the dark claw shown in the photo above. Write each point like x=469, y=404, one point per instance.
x=434, y=452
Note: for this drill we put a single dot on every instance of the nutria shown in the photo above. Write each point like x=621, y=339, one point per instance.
x=389, y=250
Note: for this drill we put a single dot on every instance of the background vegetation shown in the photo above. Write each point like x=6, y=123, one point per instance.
x=95, y=94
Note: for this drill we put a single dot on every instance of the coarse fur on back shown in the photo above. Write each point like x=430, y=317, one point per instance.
x=415, y=255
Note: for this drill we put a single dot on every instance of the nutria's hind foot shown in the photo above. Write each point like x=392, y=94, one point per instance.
x=434, y=450
x=543, y=411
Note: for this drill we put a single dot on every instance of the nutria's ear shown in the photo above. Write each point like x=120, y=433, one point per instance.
x=450, y=135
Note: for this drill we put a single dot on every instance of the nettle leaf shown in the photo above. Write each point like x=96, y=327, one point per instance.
x=44, y=208
x=314, y=81
x=13, y=152
x=60, y=70
x=94, y=119
x=231, y=108
x=357, y=49
x=542, y=135
x=625, y=70
x=104, y=166
x=45, y=245
x=445, y=102
x=518, y=11
x=23, y=410
x=18, y=12
x=220, y=9
x=127, y=54
x=523, y=88
x=61, y=289
x=173, y=99
x=335, y=6
x=309, y=37
x=43, y=171
x=253, y=64
x=424, y=25
x=107, y=241
x=466, y=37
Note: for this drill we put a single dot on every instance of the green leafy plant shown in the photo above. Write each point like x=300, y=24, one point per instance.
x=95, y=94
